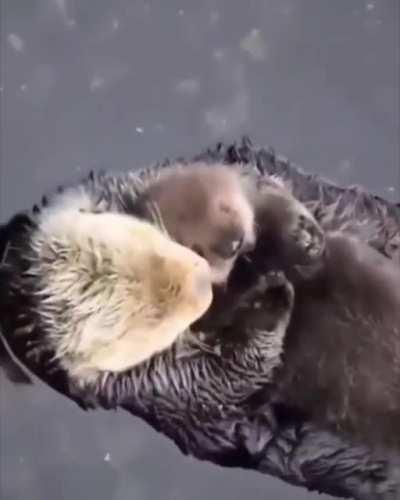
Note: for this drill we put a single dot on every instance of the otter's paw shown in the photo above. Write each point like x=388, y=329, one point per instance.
x=279, y=292
x=307, y=236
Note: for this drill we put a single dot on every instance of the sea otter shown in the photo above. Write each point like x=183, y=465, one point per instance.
x=76, y=254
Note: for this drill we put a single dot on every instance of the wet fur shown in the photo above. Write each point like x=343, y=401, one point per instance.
x=342, y=352
x=206, y=209
x=175, y=391
x=110, y=290
x=78, y=240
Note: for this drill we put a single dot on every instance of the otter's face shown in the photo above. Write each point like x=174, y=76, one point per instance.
x=226, y=231
x=181, y=281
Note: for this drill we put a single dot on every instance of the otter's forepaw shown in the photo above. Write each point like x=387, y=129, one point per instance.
x=279, y=290
x=307, y=236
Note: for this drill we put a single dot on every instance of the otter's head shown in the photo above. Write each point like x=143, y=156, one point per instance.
x=180, y=284
x=206, y=209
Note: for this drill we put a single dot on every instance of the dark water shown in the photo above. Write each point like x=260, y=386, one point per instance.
x=121, y=83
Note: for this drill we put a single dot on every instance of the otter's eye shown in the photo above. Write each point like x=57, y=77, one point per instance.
x=198, y=250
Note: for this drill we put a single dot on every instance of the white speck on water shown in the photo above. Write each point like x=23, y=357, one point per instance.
x=254, y=45
x=230, y=117
x=218, y=54
x=345, y=165
x=23, y=87
x=181, y=12
x=288, y=9
x=159, y=127
x=63, y=10
x=96, y=83
x=21, y=460
x=107, y=457
x=391, y=189
x=216, y=120
x=1, y=89
x=16, y=42
x=71, y=23
x=369, y=6
x=214, y=17
x=188, y=86
x=139, y=130
x=115, y=24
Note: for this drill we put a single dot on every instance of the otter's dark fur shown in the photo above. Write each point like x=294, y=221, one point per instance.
x=175, y=392
x=341, y=362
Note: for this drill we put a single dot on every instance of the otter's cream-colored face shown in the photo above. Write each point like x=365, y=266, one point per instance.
x=206, y=209
x=122, y=289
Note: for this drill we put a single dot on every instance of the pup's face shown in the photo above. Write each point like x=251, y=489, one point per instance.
x=206, y=210
x=224, y=232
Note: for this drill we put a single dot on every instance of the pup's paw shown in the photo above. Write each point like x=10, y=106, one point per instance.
x=279, y=293
x=307, y=237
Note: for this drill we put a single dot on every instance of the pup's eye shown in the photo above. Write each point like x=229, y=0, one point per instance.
x=226, y=249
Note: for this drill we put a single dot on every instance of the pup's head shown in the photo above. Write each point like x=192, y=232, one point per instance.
x=205, y=209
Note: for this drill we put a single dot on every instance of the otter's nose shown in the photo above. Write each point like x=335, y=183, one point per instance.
x=201, y=285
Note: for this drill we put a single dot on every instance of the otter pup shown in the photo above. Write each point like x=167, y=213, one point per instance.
x=109, y=291
x=204, y=208
x=212, y=209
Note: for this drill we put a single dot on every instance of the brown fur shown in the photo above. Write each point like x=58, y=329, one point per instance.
x=212, y=210
x=342, y=356
x=206, y=209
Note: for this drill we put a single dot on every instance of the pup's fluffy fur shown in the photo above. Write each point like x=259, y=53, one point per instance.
x=206, y=209
x=213, y=211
